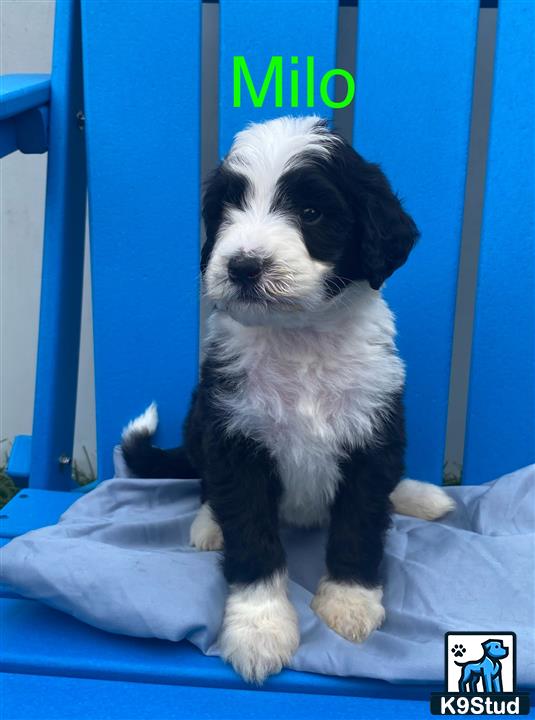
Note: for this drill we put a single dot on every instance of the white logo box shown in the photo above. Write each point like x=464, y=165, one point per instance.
x=472, y=643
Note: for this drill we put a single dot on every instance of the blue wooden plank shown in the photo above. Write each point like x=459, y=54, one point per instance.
x=142, y=93
x=61, y=286
x=60, y=645
x=31, y=509
x=27, y=132
x=18, y=466
x=23, y=697
x=19, y=93
x=8, y=136
x=32, y=130
x=415, y=63
x=501, y=419
x=259, y=30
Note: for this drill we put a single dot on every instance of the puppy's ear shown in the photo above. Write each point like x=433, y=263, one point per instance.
x=387, y=233
x=383, y=233
x=214, y=191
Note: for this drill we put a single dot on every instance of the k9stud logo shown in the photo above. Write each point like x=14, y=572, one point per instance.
x=480, y=670
x=480, y=663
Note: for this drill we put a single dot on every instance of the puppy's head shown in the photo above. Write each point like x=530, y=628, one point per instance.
x=293, y=216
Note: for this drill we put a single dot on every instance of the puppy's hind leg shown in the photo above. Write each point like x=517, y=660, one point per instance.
x=421, y=500
x=206, y=533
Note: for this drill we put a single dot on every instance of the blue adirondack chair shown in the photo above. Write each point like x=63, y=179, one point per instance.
x=124, y=97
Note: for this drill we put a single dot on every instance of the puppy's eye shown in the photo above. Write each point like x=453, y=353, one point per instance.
x=310, y=215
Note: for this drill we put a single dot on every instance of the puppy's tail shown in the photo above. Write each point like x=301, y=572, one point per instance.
x=147, y=461
x=421, y=500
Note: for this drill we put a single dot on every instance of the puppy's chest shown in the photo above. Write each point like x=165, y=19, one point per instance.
x=294, y=401
x=308, y=399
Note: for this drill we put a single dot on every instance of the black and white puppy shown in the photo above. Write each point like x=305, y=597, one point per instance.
x=298, y=415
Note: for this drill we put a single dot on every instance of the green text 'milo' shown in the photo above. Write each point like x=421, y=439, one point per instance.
x=290, y=82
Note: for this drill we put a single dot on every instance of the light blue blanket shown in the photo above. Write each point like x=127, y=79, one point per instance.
x=120, y=559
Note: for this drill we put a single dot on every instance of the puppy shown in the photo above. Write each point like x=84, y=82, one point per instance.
x=298, y=415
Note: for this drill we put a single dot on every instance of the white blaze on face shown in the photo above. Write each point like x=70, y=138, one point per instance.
x=262, y=154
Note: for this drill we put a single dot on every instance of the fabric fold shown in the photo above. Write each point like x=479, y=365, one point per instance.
x=120, y=559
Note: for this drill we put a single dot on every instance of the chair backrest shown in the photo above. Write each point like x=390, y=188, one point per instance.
x=501, y=412
x=414, y=77
x=142, y=105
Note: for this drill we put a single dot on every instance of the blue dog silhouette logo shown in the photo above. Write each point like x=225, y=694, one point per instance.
x=487, y=668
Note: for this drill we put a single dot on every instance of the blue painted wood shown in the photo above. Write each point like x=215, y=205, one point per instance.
x=23, y=113
x=24, y=695
x=18, y=466
x=61, y=287
x=415, y=64
x=8, y=136
x=31, y=509
x=61, y=645
x=19, y=93
x=501, y=418
x=259, y=30
x=142, y=94
x=27, y=132
x=32, y=130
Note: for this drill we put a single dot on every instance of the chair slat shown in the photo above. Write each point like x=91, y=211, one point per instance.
x=31, y=509
x=23, y=697
x=142, y=98
x=501, y=416
x=259, y=30
x=415, y=64
x=59, y=644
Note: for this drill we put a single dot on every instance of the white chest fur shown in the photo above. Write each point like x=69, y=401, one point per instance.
x=310, y=394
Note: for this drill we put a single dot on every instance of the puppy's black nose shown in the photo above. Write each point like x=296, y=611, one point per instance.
x=245, y=269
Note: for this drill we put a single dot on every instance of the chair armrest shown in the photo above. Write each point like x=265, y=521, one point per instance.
x=18, y=465
x=19, y=93
x=24, y=113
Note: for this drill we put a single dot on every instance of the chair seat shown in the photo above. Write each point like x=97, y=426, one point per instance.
x=40, y=641
x=24, y=695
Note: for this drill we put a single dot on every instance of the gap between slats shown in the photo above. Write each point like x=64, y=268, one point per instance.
x=471, y=235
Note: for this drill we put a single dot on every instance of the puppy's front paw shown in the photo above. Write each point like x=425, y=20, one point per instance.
x=260, y=631
x=351, y=610
x=205, y=533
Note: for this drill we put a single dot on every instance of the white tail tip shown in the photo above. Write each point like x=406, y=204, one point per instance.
x=145, y=424
x=421, y=500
